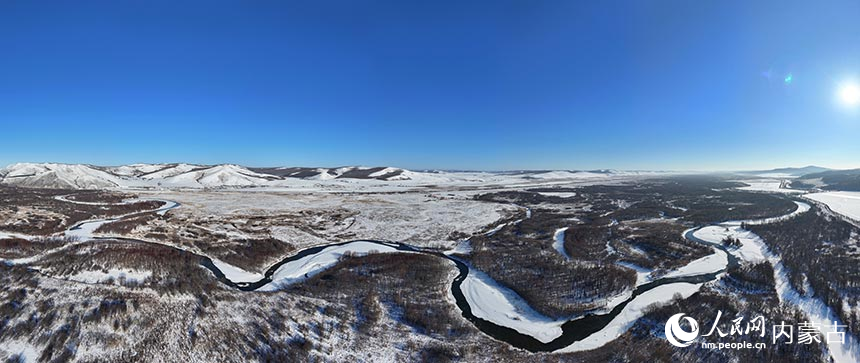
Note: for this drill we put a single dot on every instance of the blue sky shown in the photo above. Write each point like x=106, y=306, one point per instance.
x=443, y=84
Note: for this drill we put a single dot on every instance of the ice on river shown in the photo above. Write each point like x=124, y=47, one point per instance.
x=705, y=265
x=236, y=274
x=844, y=203
x=630, y=313
x=558, y=242
x=502, y=306
x=308, y=266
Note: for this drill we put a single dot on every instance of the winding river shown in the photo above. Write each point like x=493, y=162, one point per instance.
x=582, y=333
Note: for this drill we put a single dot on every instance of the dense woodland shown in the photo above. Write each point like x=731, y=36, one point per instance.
x=639, y=224
x=821, y=254
x=370, y=298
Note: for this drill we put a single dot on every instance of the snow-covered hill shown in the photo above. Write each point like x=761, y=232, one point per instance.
x=346, y=172
x=136, y=169
x=168, y=170
x=226, y=175
x=79, y=176
x=48, y=175
x=181, y=176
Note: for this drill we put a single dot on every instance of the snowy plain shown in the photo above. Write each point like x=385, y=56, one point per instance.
x=768, y=185
x=430, y=226
x=845, y=203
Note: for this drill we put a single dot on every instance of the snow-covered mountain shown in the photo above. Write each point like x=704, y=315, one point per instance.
x=136, y=169
x=347, y=172
x=168, y=170
x=192, y=176
x=68, y=176
x=80, y=176
x=181, y=175
x=226, y=175
x=846, y=180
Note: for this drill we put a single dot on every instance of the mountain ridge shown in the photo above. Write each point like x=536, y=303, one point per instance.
x=199, y=176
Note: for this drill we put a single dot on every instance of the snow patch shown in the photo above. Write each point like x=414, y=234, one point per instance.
x=95, y=277
x=643, y=275
x=705, y=265
x=558, y=242
x=308, y=266
x=236, y=274
x=559, y=194
x=768, y=185
x=497, y=304
x=18, y=348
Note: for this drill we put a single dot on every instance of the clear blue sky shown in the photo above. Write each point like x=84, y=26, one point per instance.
x=436, y=84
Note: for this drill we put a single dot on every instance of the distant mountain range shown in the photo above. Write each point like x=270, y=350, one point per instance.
x=814, y=177
x=848, y=180
x=192, y=176
x=786, y=172
x=179, y=175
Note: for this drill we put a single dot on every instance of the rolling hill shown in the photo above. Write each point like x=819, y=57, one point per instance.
x=193, y=176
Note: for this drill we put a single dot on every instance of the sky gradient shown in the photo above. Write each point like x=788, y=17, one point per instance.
x=479, y=85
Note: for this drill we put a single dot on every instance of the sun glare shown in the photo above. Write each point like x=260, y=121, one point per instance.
x=849, y=94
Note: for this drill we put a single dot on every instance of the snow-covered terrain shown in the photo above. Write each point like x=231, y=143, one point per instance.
x=191, y=176
x=564, y=174
x=769, y=185
x=236, y=274
x=818, y=313
x=631, y=312
x=559, y=194
x=86, y=229
x=311, y=265
x=558, y=242
x=137, y=169
x=16, y=348
x=643, y=275
x=750, y=249
x=403, y=217
x=296, y=214
x=99, y=276
x=705, y=265
x=217, y=176
x=498, y=304
x=845, y=203
x=754, y=249
x=801, y=208
x=783, y=173
x=49, y=175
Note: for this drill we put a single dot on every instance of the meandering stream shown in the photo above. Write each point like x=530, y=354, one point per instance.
x=582, y=333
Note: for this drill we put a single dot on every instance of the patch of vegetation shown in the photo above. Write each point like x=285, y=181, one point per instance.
x=409, y=287
x=38, y=212
x=821, y=253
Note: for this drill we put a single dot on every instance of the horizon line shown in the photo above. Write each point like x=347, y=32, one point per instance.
x=695, y=171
